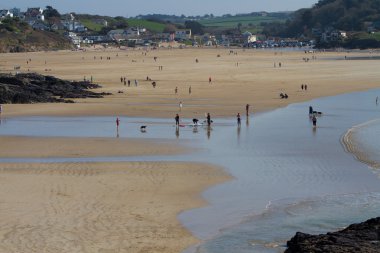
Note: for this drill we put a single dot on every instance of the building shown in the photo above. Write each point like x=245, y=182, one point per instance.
x=5, y=13
x=34, y=14
x=183, y=34
x=249, y=37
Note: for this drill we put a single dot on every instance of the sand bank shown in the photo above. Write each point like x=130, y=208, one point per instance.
x=102, y=207
x=248, y=77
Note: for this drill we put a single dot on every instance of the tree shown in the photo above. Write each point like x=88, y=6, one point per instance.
x=239, y=25
x=50, y=12
x=196, y=27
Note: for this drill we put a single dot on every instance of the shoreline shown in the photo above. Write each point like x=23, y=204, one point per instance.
x=353, y=147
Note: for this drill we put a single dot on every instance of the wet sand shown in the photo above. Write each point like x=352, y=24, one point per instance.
x=99, y=207
x=44, y=147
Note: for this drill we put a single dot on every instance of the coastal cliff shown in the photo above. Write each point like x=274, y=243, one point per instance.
x=361, y=237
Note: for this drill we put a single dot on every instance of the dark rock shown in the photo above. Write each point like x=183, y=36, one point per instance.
x=35, y=88
x=361, y=237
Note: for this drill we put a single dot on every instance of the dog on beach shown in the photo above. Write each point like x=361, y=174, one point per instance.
x=195, y=121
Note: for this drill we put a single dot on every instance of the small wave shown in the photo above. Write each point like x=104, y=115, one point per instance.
x=353, y=144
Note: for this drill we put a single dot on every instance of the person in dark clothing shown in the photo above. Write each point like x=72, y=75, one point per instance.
x=310, y=110
x=314, y=121
x=176, y=119
x=238, y=119
x=247, y=109
x=208, y=119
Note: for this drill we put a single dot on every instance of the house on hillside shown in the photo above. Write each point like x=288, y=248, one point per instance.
x=73, y=26
x=39, y=25
x=183, y=34
x=5, y=13
x=333, y=35
x=102, y=22
x=16, y=12
x=34, y=14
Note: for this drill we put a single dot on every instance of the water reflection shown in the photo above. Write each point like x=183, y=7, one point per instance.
x=177, y=131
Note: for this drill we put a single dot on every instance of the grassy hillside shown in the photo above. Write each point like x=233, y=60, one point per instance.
x=150, y=25
x=232, y=22
x=16, y=36
x=118, y=23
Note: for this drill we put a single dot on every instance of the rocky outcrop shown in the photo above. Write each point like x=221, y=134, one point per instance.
x=361, y=237
x=35, y=88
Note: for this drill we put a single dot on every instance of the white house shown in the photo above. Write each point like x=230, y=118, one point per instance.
x=35, y=14
x=5, y=13
x=249, y=37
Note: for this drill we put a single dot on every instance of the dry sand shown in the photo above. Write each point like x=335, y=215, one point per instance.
x=132, y=207
x=254, y=81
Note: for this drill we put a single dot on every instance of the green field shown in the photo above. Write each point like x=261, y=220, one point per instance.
x=232, y=22
x=149, y=25
x=91, y=25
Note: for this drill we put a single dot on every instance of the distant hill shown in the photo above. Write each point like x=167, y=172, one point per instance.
x=251, y=21
x=18, y=36
x=346, y=15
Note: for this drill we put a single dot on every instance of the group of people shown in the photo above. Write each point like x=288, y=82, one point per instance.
x=195, y=121
x=304, y=87
x=208, y=117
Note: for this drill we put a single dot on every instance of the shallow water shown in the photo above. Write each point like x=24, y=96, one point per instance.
x=288, y=176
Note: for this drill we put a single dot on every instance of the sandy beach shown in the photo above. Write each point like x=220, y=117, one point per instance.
x=133, y=206
x=249, y=77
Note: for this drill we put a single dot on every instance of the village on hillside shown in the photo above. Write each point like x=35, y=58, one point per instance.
x=78, y=33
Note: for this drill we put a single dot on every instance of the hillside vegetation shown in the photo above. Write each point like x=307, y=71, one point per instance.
x=347, y=15
x=17, y=36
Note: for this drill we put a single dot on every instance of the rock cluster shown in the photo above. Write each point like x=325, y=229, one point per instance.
x=361, y=237
x=35, y=88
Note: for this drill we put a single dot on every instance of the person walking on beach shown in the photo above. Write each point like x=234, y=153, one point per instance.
x=209, y=80
x=136, y=82
x=117, y=122
x=180, y=106
x=208, y=119
x=302, y=87
x=247, y=109
x=314, y=121
x=176, y=120
x=305, y=87
x=176, y=90
x=190, y=90
x=238, y=119
x=377, y=100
